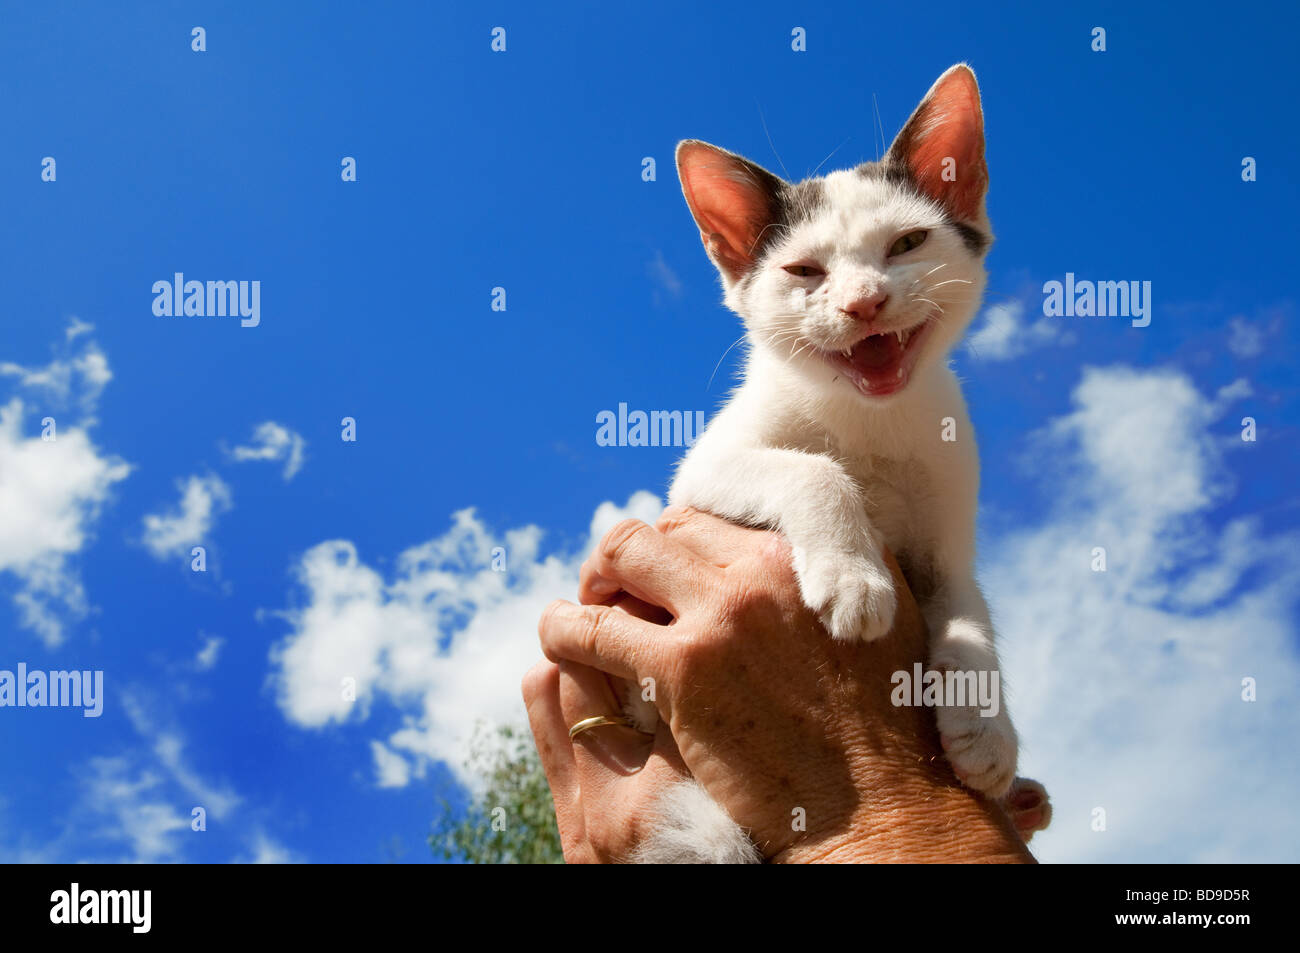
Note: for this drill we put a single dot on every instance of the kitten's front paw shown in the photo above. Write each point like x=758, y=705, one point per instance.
x=853, y=595
x=982, y=751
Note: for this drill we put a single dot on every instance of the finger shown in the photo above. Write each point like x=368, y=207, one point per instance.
x=610, y=751
x=714, y=540
x=653, y=568
x=620, y=770
x=641, y=610
x=593, y=590
x=666, y=750
x=602, y=637
x=541, y=688
x=619, y=599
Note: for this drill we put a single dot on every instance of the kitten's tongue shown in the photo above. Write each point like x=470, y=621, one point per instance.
x=878, y=352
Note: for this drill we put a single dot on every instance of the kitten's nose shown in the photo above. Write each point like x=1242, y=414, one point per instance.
x=866, y=309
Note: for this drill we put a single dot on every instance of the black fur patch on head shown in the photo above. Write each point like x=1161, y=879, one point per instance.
x=975, y=240
x=888, y=170
x=900, y=174
x=800, y=203
x=791, y=206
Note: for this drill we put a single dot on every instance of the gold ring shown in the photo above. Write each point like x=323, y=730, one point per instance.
x=599, y=721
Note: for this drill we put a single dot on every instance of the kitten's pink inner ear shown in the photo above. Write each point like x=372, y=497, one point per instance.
x=943, y=144
x=729, y=207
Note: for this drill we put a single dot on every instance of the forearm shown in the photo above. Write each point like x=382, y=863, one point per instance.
x=924, y=818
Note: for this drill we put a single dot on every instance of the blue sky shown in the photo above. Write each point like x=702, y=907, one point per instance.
x=522, y=170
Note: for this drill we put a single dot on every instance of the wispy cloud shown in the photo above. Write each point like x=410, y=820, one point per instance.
x=1127, y=683
x=189, y=523
x=129, y=809
x=1006, y=333
x=73, y=380
x=76, y=328
x=169, y=749
x=137, y=805
x=274, y=442
x=665, y=278
x=1245, y=339
x=267, y=851
x=207, y=656
x=392, y=770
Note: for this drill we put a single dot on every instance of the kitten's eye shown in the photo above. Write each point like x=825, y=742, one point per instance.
x=804, y=271
x=907, y=242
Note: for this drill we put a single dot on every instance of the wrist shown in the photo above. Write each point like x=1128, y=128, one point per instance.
x=925, y=818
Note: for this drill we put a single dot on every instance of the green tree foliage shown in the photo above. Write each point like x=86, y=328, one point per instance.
x=512, y=818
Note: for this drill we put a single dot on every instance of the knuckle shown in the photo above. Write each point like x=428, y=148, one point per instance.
x=615, y=543
x=775, y=557
x=674, y=518
x=739, y=593
x=595, y=624
x=700, y=654
x=576, y=849
x=538, y=679
x=750, y=603
x=547, y=620
x=734, y=602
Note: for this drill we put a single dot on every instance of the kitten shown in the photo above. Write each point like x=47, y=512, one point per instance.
x=853, y=288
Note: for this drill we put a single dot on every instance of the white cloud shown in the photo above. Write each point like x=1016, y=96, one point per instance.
x=1005, y=334
x=1126, y=684
x=268, y=851
x=391, y=769
x=77, y=379
x=52, y=490
x=134, y=811
x=188, y=524
x=76, y=328
x=1245, y=339
x=207, y=657
x=271, y=441
x=169, y=749
x=141, y=800
x=445, y=640
x=664, y=276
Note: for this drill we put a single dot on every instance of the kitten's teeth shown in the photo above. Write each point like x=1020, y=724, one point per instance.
x=848, y=352
x=900, y=373
x=900, y=336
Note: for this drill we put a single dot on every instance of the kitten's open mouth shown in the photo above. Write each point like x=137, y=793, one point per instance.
x=880, y=364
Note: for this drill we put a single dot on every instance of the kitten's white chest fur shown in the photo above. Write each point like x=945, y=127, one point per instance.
x=850, y=433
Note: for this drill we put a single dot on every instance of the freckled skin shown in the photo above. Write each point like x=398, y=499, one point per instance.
x=770, y=716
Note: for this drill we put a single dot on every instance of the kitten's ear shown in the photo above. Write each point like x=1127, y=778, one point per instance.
x=733, y=201
x=943, y=145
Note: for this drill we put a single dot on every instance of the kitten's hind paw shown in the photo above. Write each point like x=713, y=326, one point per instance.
x=1029, y=807
x=691, y=828
x=853, y=596
x=982, y=751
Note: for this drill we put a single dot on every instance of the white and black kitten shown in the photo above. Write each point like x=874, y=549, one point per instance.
x=849, y=432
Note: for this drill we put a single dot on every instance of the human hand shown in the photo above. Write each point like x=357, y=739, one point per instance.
x=777, y=721
x=606, y=783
